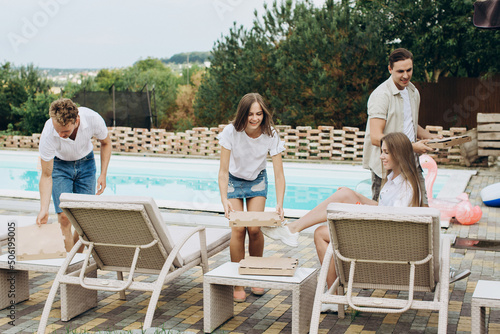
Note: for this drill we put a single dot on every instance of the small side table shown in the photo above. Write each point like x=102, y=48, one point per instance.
x=218, y=304
x=486, y=294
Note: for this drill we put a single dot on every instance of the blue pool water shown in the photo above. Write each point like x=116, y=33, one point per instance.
x=195, y=180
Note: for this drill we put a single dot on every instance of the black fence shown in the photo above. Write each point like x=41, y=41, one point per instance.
x=121, y=108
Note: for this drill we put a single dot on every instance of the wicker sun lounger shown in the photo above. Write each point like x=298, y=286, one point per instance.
x=127, y=234
x=385, y=248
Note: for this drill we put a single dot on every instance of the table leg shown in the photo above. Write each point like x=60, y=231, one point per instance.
x=302, y=304
x=478, y=315
x=218, y=305
x=14, y=287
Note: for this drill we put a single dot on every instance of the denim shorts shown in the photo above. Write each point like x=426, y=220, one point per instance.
x=73, y=177
x=240, y=188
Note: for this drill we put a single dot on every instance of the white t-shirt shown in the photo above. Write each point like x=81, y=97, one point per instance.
x=248, y=155
x=396, y=192
x=408, y=128
x=91, y=125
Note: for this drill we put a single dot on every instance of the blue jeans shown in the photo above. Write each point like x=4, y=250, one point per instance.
x=76, y=177
x=240, y=188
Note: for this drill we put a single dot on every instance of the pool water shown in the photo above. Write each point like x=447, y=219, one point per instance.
x=195, y=180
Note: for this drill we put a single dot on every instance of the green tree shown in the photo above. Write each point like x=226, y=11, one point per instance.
x=315, y=65
x=17, y=84
x=153, y=73
x=238, y=67
x=441, y=36
x=33, y=113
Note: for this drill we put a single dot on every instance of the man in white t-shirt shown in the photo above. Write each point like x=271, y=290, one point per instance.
x=67, y=159
x=393, y=107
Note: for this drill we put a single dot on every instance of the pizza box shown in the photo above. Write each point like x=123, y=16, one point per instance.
x=448, y=142
x=254, y=218
x=40, y=242
x=268, y=266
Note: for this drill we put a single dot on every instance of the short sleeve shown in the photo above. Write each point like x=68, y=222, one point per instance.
x=99, y=126
x=225, y=136
x=378, y=105
x=46, y=147
x=277, y=145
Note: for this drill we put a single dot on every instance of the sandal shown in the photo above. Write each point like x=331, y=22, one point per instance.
x=239, y=296
x=257, y=291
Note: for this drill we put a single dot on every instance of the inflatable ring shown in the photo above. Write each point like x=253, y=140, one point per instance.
x=491, y=195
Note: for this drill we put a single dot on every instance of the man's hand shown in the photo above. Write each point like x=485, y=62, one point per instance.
x=42, y=218
x=420, y=147
x=101, y=184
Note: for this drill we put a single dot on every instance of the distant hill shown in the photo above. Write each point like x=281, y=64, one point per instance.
x=194, y=57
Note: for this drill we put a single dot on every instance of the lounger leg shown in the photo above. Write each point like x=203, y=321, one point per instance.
x=444, y=286
x=75, y=299
x=316, y=312
x=151, y=308
x=119, y=275
x=48, y=306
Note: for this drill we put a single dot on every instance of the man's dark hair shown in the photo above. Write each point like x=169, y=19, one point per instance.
x=398, y=55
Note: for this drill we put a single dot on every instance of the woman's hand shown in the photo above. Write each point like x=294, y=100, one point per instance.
x=227, y=208
x=280, y=212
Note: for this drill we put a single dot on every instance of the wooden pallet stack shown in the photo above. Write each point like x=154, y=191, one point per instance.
x=303, y=142
x=184, y=142
x=325, y=142
x=313, y=136
x=440, y=155
x=448, y=155
x=488, y=134
x=201, y=140
x=215, y=147
x=350, y=148
x=337, y=145
x=453, y=154
x=291, y=143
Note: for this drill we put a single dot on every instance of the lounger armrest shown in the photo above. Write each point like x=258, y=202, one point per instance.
x=175, y=251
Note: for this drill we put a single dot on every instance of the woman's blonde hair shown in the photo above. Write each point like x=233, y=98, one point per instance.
x=401, y=149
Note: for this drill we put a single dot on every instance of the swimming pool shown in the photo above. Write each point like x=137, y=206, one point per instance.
x=192, y=183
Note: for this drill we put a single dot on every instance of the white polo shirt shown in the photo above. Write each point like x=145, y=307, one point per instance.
x=91, y=125
x=396, y=192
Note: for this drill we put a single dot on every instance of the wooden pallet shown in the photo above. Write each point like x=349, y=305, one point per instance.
x=488, y=134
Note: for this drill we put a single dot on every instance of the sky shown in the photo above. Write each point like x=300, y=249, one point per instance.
x=115, y=33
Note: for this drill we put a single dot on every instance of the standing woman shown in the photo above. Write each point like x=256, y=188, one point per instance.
x=245, y=144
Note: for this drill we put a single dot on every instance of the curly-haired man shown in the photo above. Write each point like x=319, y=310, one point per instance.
x=67, y=159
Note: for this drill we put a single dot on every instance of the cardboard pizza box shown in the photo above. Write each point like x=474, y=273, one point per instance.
x=448, y=142
x=40, y=242
x=245, y=218
x=268, y=266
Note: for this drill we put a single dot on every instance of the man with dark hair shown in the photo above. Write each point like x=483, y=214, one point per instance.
x=393, y=107
x=67, y=159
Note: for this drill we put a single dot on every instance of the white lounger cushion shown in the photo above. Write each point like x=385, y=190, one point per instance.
x=191, y=249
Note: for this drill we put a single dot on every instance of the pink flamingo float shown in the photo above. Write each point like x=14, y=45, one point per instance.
x=459, y=207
